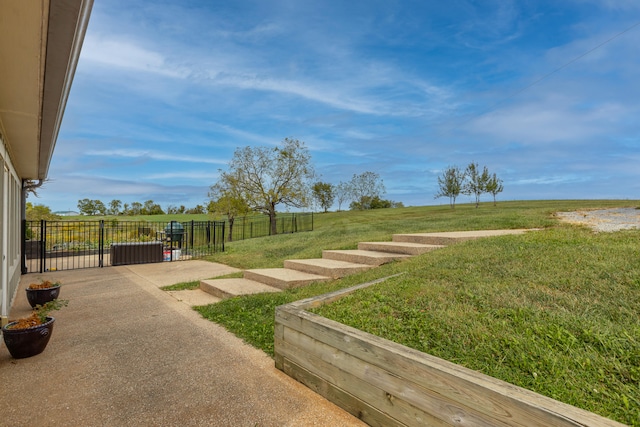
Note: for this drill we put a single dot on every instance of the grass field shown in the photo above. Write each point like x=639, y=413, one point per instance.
x=152, y=218
x=555, y=311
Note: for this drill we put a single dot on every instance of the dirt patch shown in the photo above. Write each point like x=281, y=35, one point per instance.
x=606, y=220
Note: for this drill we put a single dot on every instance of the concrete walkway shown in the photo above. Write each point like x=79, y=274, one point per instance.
x=125, y=353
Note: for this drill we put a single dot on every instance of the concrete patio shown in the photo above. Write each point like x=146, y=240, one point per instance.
x=127, y=353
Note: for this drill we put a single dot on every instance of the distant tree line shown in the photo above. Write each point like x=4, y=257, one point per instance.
x=470, y=181
x=116, y=207
x=364, y=191
x=39, y=212
x=258, y=179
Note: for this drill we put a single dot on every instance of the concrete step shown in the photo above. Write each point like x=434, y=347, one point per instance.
x=326, y=267
x=283, y=278
x=229, y=288
x=448, y=238
x=406, y=248
x=359, y=256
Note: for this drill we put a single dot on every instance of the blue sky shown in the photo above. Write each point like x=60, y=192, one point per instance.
x=544, y=93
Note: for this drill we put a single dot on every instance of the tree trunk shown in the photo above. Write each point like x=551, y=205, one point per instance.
x=272, y=220
x=231, y=229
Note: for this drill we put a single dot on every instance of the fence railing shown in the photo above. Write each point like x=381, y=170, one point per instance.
x=259, y=226
x=67, y=245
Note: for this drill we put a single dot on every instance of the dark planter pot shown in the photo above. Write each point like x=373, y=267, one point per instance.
x=28, y=342
x=42, y=296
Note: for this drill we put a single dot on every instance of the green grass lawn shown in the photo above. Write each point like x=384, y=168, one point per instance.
x=555, y=311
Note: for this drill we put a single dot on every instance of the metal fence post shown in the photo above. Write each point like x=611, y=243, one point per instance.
x=43, y=244
x=191, y=238
x=23, y=257
x=101, y=245
x=223, y=226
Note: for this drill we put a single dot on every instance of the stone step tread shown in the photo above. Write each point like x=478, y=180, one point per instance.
x=361, y=256
x=334, y=269
x=228, y=288
x=448, y=237
x=283, y=278
x=407, y=248
x=325, y=262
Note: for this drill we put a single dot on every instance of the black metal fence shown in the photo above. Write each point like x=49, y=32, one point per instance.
x=259, y=225
x=68, y=245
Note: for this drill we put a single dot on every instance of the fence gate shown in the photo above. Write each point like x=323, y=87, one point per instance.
x=69, y=245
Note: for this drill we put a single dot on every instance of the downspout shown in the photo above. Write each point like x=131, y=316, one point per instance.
x=4, y=280
x=26, y=187
x=4, y=275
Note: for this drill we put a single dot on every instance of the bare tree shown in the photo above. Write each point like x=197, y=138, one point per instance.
x=366, y=187
x=343, y=193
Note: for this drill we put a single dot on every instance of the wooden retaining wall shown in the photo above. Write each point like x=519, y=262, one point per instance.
x=387, y=384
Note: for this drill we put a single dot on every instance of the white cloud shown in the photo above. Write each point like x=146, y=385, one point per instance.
x=184, y=175
x=533, y=125
x=128, y=55
x=152, y=155
x=367, y=87
x=550, y=180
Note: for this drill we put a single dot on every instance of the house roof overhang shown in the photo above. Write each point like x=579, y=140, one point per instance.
x=40, y=42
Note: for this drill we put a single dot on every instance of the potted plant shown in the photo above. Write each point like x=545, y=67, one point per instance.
x=29, y=336
x=43, y=292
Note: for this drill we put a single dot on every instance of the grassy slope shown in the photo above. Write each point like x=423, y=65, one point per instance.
x=343, y=230
x=554, y=311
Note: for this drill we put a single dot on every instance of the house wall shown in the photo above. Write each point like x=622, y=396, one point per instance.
x=10, y=226
x=387, y=384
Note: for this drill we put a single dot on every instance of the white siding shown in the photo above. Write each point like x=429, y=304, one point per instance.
x=10, y=234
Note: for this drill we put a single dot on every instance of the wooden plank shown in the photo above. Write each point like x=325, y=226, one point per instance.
x=278, y=334
x=354, y=406
x=336, y=295
x=407, y=401
x=478, y=392
x=352, y=379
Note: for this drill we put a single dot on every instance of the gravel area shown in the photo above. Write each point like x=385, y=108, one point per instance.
x=605, y=220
